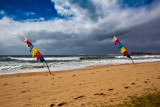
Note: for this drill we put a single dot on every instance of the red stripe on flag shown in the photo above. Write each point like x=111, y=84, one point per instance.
x=126, y=53
x=38, y=55
x=29, y=43
x=117, y=42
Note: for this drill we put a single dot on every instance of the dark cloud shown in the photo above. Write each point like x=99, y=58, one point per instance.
x=137, y=29
x=87, y=5
x=144, y=38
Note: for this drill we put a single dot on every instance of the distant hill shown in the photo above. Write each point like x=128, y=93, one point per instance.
x=144, y=53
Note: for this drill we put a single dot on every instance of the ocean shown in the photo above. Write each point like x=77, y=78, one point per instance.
x=11, y=64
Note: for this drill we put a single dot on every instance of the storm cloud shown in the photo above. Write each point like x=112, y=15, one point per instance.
x=86, y=27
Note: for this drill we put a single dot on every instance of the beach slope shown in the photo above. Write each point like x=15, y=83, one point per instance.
x=88, y=87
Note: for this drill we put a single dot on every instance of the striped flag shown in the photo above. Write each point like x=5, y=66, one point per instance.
x=34, y=51
x=123, y=50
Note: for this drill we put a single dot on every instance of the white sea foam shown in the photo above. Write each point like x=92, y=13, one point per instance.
x=141, y=56
x=62, y=58
x=21, y=64
x=23, y=59
x=47, y=58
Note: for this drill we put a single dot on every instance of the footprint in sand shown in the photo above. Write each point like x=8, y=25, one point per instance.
x=79, y=84
x=52, y=105
x=146, y=82
x=73, y=75
x=61, y=104
x=99, y=94
x=133, y=83
x=155, y=89
x=24, y=91
x=111, y=89
x=5, y=84
x=126, y=87
x=78, y=97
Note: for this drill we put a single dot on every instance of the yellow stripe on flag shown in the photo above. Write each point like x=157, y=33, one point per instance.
x=34, y=51
x=123, y=50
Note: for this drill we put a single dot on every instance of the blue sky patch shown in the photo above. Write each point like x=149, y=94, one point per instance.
x=28, y=9
x=66, y=7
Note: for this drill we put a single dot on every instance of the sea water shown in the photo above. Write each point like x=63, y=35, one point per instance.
x=10, y=64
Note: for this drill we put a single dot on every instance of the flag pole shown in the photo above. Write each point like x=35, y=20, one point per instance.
x=47, y=67
x=132, y=61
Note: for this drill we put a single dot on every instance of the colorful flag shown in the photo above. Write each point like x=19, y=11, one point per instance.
x=123, y=50
x=120, y=45
x=126, y=53
x=34, y=51
x=38, y=55
x=114, y=38
x=31, y=47
x=24, y=41
x=117, y=42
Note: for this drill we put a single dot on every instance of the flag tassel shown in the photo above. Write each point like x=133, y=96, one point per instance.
x=47, y=67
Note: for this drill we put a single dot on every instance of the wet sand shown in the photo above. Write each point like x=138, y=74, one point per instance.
x=88, y=87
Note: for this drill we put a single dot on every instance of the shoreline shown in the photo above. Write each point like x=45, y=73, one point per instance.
x=109, y=84
x=62, y=63
x=70, y=70
x=62, y=71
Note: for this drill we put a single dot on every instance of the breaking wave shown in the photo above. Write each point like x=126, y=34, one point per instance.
x=20, y=64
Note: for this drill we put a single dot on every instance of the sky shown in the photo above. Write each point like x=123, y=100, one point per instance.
x=79, y=27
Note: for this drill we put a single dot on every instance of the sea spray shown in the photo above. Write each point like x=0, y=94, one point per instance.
x=10, y=64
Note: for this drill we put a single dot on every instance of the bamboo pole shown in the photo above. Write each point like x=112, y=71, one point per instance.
x=47, y=67
x=132, y=61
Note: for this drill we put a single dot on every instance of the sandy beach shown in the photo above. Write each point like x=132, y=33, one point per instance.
x=102, y=85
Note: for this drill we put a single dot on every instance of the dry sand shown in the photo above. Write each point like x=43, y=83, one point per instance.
x=85, y=87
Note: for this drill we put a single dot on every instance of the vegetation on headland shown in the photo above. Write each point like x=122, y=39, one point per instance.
x=149, y=100
x=143, y=53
